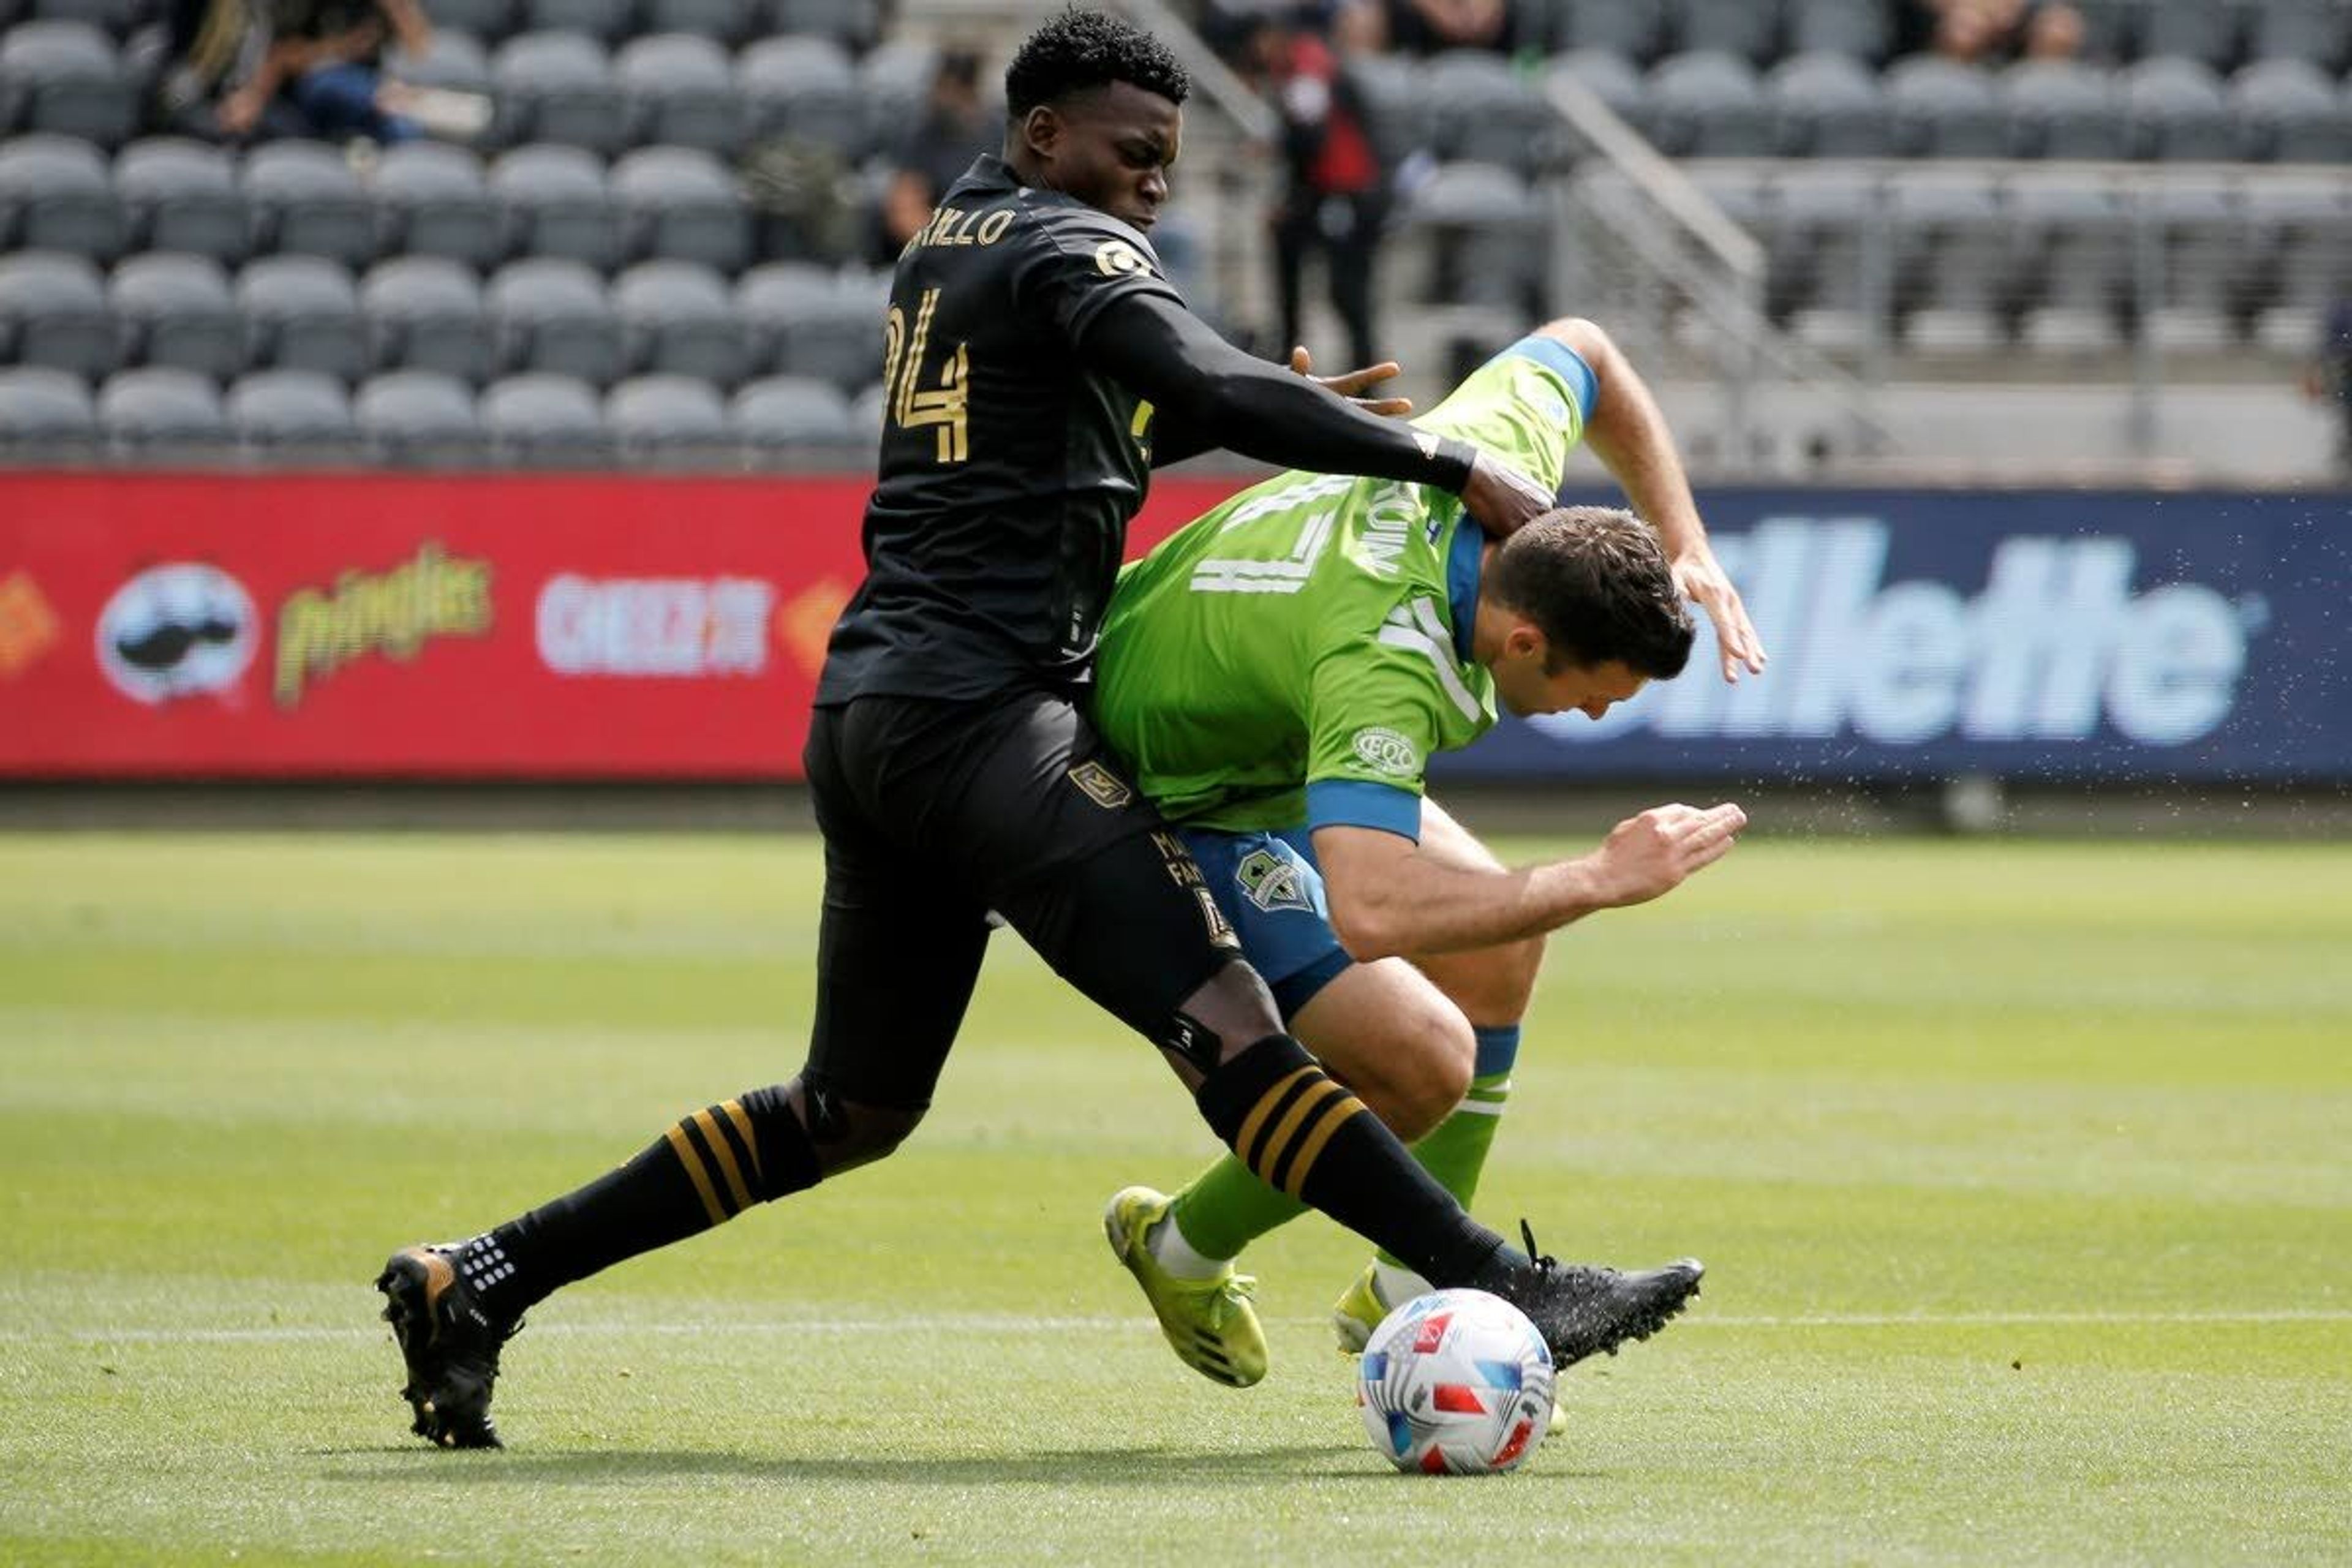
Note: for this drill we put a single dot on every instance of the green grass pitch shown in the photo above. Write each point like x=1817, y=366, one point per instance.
x=2023, y=1173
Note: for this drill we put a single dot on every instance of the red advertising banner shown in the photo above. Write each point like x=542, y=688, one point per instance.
x=381, y=625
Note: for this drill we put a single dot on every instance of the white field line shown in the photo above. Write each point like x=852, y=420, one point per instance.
x=1009, y=1323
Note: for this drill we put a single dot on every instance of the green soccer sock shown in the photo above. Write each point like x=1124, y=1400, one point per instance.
x=1226, y=1207
x=1455, y=1151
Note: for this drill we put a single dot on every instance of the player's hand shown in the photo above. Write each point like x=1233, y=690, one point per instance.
x=1703, y=581
x=1354, y=383
x=1502, y=499
x=1648, y=856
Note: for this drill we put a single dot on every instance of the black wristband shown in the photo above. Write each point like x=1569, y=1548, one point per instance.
x=1450, y=464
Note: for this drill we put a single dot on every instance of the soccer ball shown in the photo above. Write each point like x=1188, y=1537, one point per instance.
x=1455, y=1383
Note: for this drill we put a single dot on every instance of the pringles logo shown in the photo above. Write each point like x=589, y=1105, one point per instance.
x=393, y=614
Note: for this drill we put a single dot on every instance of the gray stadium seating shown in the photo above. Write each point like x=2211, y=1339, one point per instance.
x=65, y=76
x=1814, y=239
x=1487, y=113
x=894, y=82
x=2316, y=32
x=1403, y=117
x=179, y=195
x=1634, y=29
x=2062, y=109
x=1609, y=76
x=417, y=418
x=1708, y=105
x=53, y=312
x=293, y=415
x=555, y=202
x=869, y=411
x=431, y=201
x=2205, y=31
x=1862, y=28
x=852, y=24
x=1945, y=110
x=678, y=319
x=46, y=416
x=545, y=421
x=302, y=196
x=658, y=421
x=456, y=61
x=490, y=19
x=2290, y=111
x=785, y=413
x=157, y=414
x=1481, y=225
x=725, y=20
x=1749, y=28
x=680, y=89
x=301, y=313
x=1952, y=240
x=115, y=17
x=549, y=314
x=2071, y=240
x=177, y=310
x=682, y=204
x=805, y=322
x=425, y=312
x=606, y=20
x=55, y=195
x=1827, y=106
x=2300, y=234
x=559, y=87
x=2173, y=110
x=803, y=88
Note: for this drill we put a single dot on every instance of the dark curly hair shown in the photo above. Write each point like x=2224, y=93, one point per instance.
x=1595, y=581
x=1081, y=49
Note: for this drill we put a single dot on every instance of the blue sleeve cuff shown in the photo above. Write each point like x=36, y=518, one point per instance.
x=1356, y=802
x=1566, y=363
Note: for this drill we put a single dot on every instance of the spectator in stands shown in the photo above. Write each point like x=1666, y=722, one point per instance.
x=322, y=59
x=954, y=130
x=2329, y=378
x=1989, y=32
x=1426, y=26
x=212, y=47
x=2054, y=33
x=1335, y=195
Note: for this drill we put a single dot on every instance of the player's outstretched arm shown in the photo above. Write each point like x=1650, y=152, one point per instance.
x=1628, y=433
x=1388, y=898
x=1212, y=394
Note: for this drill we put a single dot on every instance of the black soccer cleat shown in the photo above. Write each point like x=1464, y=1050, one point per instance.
x=1583, y=1310
x=450, y=1344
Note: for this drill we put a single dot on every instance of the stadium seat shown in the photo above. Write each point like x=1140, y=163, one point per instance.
x=2200, y=231
x=787, y=414
x=1749, y=28
x=178, y=310
x=555, y=202
x=2174, y=110
x=544, y=421
x=1827, y=106
x=869, y=410
x=2110, y=28
x=894, y=84
x=1402, y=117
x=1609, y=76
x=1739, y=186
x=2300, y=231
x=1481, y=226
x=855, y=25
x=425, y=312
x=606, y=19
x=117, y=17
x=1487, y=113
x=431, y=201
x=558, y=87
x=485, y=19
x=2316, y=32
x=457, y=62
x=2062, y=109
x=64, y=77
x=301, y=313
x=46, y=416
x=293, y=415
x=678, y=319
x=1942, y=109
x=725, y=20
x=2071, y=238
x=1816, y=244
x=1708, y=105
x=661, y=421
x=550, y=315
x=1634, y=28
x=801, y=88
x=158, y=415
x=680, y=88
x=418, y=418
x=182, y=196
x=2205, y=31
x=2290, y=112
x=302, y=196
x=55, y=195
x=682, y=204
x=1860, y=29
x=802, y=322
x=53, y=312
x=1951, y=241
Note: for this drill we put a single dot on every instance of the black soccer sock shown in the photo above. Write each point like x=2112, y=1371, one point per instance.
x=703, y=1172
x=1303, y=1133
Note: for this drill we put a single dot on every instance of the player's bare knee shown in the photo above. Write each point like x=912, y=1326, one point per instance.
x=1422, y=1074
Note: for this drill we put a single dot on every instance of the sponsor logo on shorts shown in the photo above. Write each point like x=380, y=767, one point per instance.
x=1272, y=882
x=27, y=624
x=176, y=630
x=1385, y=750
x=1101, y=785
x=395, y=613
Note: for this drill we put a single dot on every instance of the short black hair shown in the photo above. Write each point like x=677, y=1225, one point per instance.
x=1595, y=581
x=1081, y=49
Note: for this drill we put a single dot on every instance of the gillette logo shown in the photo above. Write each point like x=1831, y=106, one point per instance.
x=2055, y=645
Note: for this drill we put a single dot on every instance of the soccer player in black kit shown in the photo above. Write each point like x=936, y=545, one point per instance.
x=1037, y=366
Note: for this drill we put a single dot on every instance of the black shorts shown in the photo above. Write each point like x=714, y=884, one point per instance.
x=935, y=814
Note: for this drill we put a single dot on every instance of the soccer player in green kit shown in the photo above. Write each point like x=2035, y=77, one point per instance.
x=1277, y=674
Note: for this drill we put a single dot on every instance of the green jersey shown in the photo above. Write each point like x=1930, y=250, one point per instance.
x=1296, y=655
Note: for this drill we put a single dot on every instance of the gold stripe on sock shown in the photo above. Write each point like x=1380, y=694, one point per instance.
x=1333, y=1119
x=696, y=1171
x=708, y=1124
x=1265, y=1108
x=1279, y=1141
x=735, y=1113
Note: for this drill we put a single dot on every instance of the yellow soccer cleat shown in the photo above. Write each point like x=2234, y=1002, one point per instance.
x=1360, y=1309
x=1210, y=1323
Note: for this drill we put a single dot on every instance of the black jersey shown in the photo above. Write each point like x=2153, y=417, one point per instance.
x=1009, y=469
